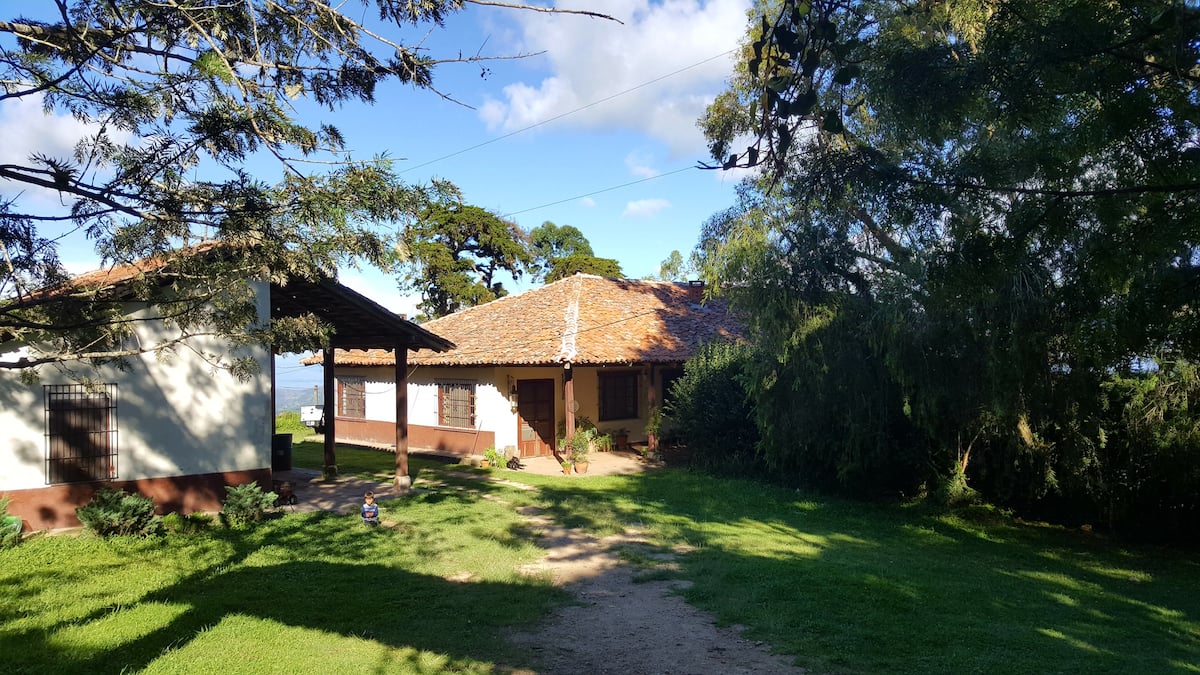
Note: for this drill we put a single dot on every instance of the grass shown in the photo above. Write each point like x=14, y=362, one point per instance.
x=357, y=461
x=845, y=587
x=289, y=423
x=306, y=593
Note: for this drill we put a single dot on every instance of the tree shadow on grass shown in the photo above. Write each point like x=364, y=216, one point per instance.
x=321, y=572
x=867, y=587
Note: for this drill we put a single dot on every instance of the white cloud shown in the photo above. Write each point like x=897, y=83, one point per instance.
x=588, y=202
x=642, y=208
x=27, y=129
x=639, y=165
x=590, y=60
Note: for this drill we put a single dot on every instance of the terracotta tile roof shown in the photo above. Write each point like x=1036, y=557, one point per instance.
x=356, y=318
x=583, y=319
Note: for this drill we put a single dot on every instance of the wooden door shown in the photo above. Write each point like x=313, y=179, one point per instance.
x=535, y=417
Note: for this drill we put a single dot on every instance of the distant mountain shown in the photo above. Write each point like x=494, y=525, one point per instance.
x=291, y=398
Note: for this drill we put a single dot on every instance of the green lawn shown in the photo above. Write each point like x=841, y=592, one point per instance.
x=845, y=587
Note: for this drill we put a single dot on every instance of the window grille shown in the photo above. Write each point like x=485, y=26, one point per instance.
x=456, y=404
x=81, y=432
x=352, y=397
x=619, y=395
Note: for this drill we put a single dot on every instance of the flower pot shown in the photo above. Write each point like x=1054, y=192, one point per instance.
x=581, y=467
x=566, y=469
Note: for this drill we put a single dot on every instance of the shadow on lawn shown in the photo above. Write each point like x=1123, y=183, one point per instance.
x=876, y=588
x=305, y=571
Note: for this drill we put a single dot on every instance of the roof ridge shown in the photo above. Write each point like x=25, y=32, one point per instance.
x=568, y=351
x=509, y=297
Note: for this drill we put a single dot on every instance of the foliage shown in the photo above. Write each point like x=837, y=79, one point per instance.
x=455, y=252
x=10, y=535
x=245, y=504
x=581, y=443
x=288, y=422
x=976, y=220
x=112, y=513
x=174, y=100
x=571, y=265
x=548, y=242
x=710, y=407
x=675, y=268
x=193, y=523
x=494, y=456
x=562, y=251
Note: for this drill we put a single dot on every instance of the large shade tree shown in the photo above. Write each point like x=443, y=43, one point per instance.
x=975, y=227
x=455, y=252
x=176, y=97
x=560, y=251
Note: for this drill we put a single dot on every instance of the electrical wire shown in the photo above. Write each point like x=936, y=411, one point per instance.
x=566, y=114
x=601, y=191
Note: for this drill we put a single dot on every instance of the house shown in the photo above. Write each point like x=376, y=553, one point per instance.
x=527, y=367
x=172, y=427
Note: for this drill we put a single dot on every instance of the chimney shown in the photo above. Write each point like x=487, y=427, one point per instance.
x=695, y=290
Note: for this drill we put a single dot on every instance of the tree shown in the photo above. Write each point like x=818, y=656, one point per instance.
x=584, y=264
x=562, y=251
x=174, y=90
x=456, y=250
x=987, y=209
x=675, y=268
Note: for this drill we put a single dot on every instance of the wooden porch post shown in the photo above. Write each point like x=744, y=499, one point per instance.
x=569, y=399
x=652, y=402
x=330, y=412
x=403, y=481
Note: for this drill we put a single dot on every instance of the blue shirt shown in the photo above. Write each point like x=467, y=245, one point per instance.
x=370, y=513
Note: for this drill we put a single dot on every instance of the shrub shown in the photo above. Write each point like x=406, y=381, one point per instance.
x=494, y=456
x=710, y=408
x=10, y=530
x=246, y=504
x=118, y=513
x=952, y=491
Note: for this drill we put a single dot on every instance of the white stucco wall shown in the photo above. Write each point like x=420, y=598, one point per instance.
x=492, y=409
x=176, y=413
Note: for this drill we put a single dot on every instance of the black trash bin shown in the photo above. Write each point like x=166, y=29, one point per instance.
x=281, y=452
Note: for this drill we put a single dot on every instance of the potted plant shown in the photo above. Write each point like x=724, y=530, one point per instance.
x=566, y=467
x=620, y=439
x=653, y=426
x=493, y=457
x=601, y=442
x=580, y=445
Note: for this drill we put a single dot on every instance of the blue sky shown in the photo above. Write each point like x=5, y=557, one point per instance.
x=598, y=131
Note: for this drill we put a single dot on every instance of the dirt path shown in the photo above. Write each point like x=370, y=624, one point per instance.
x=623, y=626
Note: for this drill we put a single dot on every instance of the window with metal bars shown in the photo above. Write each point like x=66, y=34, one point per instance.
x=352, y=397
x=618, y=395
x=81, y=432
x=456, y=404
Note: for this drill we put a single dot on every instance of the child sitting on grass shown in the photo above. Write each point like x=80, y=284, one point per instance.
x=370, y=510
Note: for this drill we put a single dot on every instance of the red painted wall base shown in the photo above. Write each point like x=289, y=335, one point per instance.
x=53, y=506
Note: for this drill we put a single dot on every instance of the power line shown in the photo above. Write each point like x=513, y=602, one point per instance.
x=596, y=192
x=569, y=112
